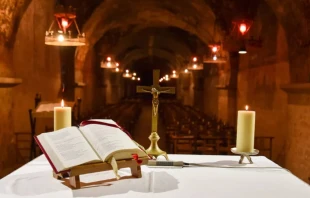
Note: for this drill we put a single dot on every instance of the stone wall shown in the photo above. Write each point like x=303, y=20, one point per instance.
x=298, y=139
x=261, y=73
x=38, y=66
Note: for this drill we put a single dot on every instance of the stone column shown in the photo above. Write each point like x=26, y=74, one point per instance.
x=10, y=15
x=227, y=89
x=7, y=141
x=198, y=88
x=186, y=89
x=67, y=75
x=112, y=86
x=179, y=88
x=107, y=85
x=115, y=81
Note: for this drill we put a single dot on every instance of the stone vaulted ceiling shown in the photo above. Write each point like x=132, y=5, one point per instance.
x=133, y=30
x=128, y=28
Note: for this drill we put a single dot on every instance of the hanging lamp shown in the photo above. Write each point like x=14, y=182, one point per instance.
x=109, y=63
x=127, y=74
x=174, y=74
x=61, y=34
x=195, y=64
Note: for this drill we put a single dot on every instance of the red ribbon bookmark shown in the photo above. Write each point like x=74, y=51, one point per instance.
x=136, y=157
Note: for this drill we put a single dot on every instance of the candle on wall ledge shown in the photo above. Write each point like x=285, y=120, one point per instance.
x=62, y=116
x=245, y=130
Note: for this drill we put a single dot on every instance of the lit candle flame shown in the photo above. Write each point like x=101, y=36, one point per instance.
x=62, y=103
x=64, y=23
x=246, y=107
x=214, y=49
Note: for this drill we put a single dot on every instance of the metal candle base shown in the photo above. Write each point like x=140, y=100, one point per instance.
x=245, y=154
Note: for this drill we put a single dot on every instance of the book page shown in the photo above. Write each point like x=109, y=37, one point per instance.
x=70, y=146
x=51, y=154
x=106, y=140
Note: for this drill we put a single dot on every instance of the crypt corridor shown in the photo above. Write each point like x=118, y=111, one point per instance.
x=273, y=77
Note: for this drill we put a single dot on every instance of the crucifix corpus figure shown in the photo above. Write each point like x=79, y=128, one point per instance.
x=155, y=90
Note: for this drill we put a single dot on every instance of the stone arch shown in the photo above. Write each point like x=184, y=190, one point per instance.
x=167, y=42
x=137, y=54
x=193, y=16
x=293, y=18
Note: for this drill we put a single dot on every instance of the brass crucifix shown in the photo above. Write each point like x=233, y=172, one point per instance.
x=155, y=90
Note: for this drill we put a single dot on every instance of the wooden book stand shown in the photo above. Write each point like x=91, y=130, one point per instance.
x=74, y=173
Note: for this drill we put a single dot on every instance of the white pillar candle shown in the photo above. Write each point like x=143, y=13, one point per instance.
x=62, y=117
x=245, y=130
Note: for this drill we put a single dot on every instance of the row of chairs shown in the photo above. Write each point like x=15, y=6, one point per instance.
x=190, y=131
x=124, y=113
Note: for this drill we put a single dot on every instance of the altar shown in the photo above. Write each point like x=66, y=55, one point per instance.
x=226, y=179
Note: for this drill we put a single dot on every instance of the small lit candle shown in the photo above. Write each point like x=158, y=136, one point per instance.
x=62, y=116
x=245, y=130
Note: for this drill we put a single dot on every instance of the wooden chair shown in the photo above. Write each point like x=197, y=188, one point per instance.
x=264, y=145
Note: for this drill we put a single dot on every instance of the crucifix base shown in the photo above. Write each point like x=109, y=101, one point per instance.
x=154, y=151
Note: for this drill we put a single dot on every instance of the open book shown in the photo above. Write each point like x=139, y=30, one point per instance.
x=93, y=141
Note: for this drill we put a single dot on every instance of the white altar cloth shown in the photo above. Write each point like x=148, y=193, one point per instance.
x=264, y=179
